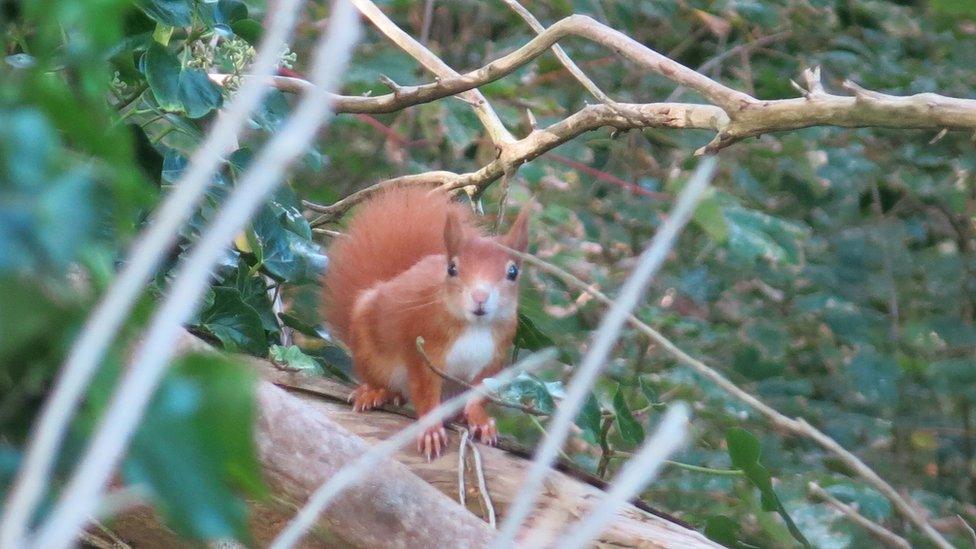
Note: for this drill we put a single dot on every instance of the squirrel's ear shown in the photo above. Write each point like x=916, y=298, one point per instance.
x=453, y=234
x=518, y=236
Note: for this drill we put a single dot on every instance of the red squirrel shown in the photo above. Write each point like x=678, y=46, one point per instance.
x=414, y=263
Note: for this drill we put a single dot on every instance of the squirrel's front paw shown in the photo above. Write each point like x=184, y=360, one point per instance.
x=486, y=432
x=432, y=442
x=480, y=424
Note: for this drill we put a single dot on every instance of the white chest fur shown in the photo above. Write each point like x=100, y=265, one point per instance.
x=471, y=352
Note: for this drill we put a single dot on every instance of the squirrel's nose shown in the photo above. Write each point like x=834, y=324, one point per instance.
x=479, y=296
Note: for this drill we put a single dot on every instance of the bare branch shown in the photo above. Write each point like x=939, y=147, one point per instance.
x=888, y=537
x=603, y=340
x=496, y=129
x=714, y=62
x=621, y=116
x=560, y=54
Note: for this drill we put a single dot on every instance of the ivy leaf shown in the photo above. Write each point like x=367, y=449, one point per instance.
x=708, y=215
x=175, y=13
x=753, y=234
x=590, y=416
x=198, y=94
x=293, y=357
x=745, y=452
x=235, y=323
x=529, y=336
x=724, y=530
x=630, y=429
x=195, y=447
x=303, y=327
x=649, y=393
x=176, y=88
x=254, y=292
x=526, y=390
x=286, y=244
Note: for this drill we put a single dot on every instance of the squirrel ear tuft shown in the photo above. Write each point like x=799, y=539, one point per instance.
x=518, y=236
x=453, y=234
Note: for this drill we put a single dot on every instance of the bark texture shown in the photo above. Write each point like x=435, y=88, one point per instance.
x=307, y=432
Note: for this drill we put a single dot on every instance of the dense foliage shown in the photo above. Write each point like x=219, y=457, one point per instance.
x=832, y=272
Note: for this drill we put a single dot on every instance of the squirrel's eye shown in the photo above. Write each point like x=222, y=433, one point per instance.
x=512, y=273
x=451, y=269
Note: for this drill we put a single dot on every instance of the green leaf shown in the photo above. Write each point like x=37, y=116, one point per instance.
x=38, y=194
x=195, y=447
x=254, y=292
x=175, y=13
x=177, y=88
x=526, y=390
x=590, y=417
x=708, y=215
x=649, y=393
x=303, y=327
x=286, y=244
x=235, y=323
x=630, y=429
x=248, y=29
x=293, y=357
x=529, y=336
x=198, y=94
x=744, y=451
x=724, y=530
x=162, y=70
x=753, y=234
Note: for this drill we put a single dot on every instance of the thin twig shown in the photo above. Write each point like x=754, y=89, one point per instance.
x=602, y=342
x=889, y=538
x=151, y=246
x=487, y=396
x=561, y=55
x=968, y=528
x=462, y=450
x=482, y=485
x=428, y=19
x=128, y=403
x=714, y=61
x=542, y=430
x=496, y=129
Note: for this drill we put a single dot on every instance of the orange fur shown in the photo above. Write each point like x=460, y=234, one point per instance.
x=390, y=282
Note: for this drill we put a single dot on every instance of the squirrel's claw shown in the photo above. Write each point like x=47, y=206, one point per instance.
x=432, y=442
x=366, y=398
x=487, y=432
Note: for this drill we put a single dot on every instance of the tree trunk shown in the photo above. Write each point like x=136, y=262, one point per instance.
x=306, y=433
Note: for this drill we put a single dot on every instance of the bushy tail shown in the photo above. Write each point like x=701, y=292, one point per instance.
x=386, y=236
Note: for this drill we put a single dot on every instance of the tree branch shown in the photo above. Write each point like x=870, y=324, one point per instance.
x=888, y=537
x=621, y=116
x=496, y=129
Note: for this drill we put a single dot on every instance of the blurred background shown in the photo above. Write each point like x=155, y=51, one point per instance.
x=831, y=272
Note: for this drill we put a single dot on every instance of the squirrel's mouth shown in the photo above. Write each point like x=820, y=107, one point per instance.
x=480, y=311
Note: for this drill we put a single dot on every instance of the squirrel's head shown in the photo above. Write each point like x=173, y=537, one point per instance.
x=482, y=277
